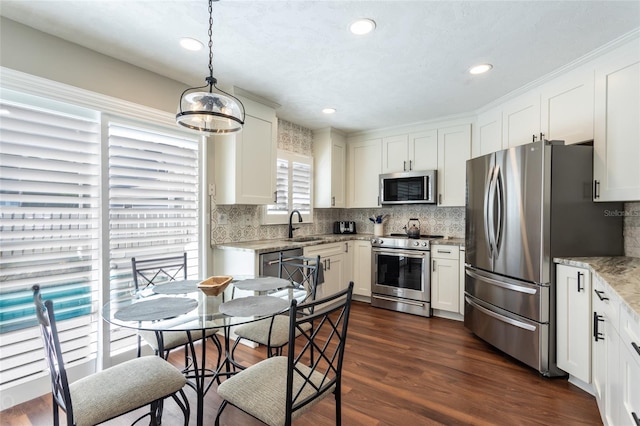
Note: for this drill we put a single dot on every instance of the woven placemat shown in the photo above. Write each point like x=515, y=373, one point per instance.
x=254, y=306
x=176, y=287
x=262, y=284
x=156, y=309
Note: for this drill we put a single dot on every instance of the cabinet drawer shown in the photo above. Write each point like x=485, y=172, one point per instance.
x=609, y=303
x=325, y=250
x=445, y=252
x=630, y=333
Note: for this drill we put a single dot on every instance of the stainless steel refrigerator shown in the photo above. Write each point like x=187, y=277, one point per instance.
x=525, y=206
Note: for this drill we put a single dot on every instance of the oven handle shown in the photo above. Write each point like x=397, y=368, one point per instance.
x=407, y=253
x=406, y=302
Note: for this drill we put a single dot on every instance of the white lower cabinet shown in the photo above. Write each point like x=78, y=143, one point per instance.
x=362, y=267
x=573, y=314
x=629, y=369
x=445, y=279
x=333, y=260
x=604, y=352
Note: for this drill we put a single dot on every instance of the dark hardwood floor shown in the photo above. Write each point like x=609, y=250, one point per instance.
x=404, y=370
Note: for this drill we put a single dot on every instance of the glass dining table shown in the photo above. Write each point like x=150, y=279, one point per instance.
x=182, y=306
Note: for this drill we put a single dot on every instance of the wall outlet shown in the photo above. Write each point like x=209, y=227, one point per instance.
x=223, y=218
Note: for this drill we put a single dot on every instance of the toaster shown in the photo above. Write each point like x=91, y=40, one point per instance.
x=344, y=227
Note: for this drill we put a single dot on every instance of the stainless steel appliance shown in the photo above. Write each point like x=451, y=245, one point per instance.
x=525, y=206
x=401, y=280
x=415, y=187
x=344, y=227
x=269, y=262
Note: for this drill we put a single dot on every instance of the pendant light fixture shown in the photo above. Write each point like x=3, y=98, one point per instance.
x=209, y=111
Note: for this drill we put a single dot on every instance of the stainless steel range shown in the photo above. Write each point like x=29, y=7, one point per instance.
x=401, y=280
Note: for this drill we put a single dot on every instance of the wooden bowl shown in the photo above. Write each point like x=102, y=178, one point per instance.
x=215, y=285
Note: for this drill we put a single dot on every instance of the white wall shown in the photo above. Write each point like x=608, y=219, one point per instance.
x=33, y=52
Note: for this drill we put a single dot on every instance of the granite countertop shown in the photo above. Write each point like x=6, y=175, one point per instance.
x=268, y=246
x=620, y=272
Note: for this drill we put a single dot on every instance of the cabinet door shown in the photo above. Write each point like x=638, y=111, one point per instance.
x=521, y=120
x=365, y=161
x=362, y=268
x=423, y=150
x=445, y=291
x=617, y=127
x=567, y=107
x=395, y=154
x=330, y=164
x=629, y=385
x=599, y=349
x=338, y=173
x=334, y=273
x=245, y=162
x=488, y=133
x=573, y=313
x=454, y=149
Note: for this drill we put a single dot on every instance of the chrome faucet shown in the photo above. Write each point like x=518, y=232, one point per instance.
x=291, y=228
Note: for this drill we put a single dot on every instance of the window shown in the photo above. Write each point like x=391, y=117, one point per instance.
x=294, y=181
x=81, y=192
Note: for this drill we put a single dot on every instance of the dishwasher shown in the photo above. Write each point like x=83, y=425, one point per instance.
x=269, y=262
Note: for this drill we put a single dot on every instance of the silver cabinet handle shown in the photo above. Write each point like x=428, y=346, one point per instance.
x=433, y=268
x=333, y=201
x=404, y=166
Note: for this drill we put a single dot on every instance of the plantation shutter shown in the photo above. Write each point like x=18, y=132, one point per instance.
x=49, y=230
x=294, y=181
x=301, y=186
x=153, y=205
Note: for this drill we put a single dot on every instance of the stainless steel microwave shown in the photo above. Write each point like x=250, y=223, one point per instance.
x=415, y=187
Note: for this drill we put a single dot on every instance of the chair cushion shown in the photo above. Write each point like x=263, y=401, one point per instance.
x=261, y=389
x=122, y=388
x=173, y=339
x=258, y=331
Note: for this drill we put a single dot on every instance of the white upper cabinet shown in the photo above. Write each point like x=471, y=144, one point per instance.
x=245, y=162
x=395, y=154
x=363, y=171
x=617, y=125
x=416, y=151
x=567, y=107
x=521, y=119
x=454, y=149
x=330, y=157
x=488, y=133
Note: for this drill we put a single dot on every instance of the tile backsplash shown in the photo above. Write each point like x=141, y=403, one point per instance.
x=632, y=229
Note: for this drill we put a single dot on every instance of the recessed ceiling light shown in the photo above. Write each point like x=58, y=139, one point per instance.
x=329, y=110
x=479, y=69
x=191, y=43
x=362, y=26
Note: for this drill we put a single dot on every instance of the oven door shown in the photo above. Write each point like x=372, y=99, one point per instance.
x=401, y=273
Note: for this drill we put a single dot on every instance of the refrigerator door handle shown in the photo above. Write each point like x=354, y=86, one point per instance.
x=504, y=284
x=488, y=215
x=491, y=211
x=499, y=317
x=497, y=239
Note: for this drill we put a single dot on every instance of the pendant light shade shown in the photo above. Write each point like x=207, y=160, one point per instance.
x=207, y=110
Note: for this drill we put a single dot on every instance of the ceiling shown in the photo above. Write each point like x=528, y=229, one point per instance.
x=300, y=54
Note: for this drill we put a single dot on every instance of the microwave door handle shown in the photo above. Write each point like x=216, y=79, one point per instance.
x=427, y=192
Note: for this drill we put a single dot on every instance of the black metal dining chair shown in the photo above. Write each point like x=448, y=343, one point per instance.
x=108, y=393
x=149, y=272
x=303, y=275
x=279, y=389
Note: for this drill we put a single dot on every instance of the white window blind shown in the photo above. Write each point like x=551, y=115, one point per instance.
x=153, y=205
x=294, y=181
x=49, y=234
